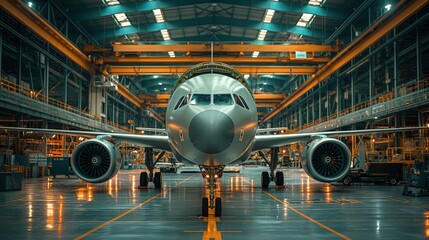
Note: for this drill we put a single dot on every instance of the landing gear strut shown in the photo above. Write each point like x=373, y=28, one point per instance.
x=211, y=174
x=146, y=177
x=278, y=177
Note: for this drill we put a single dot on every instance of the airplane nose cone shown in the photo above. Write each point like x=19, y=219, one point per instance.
x=211, y=131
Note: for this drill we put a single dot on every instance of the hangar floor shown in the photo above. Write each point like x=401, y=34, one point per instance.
x=69, y=209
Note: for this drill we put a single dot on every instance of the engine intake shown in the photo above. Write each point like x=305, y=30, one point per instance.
x=95, y=160
x=326, y=159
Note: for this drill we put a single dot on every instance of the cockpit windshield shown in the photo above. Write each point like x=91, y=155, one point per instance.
x=201, y=99
x=222, y=99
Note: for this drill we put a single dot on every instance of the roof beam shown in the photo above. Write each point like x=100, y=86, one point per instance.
x=174, y=70
x=137, y=48
x=170, y=25
x=402, y=11
x=99, y=12
x=29, y=18
x=224, y=59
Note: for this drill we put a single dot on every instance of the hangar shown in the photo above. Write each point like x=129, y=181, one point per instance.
x=106, y=106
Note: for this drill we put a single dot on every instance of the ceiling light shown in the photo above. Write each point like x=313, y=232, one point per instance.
x=255, y=54
x=269, y=15
x=171, y=54
x=316, y=2
x=111, y=2
x=388, y=7
x=158, y=15
x=165, y=34
x=262, y=34
x=305, y=20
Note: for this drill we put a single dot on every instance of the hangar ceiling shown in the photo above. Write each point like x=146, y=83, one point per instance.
x=150, y=43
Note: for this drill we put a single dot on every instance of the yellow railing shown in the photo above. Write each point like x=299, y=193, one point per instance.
x=37, y=96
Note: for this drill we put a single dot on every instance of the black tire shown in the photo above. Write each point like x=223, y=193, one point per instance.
x=205, y=207
x=218, y=207
x=144, y=179
x=347, y=181
x=393, y=181
x=157, y=180
x=280, y=179
x=265, y=180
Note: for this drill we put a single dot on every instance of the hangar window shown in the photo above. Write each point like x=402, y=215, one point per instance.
x=222, y=99
x=240, y=101
x=201, y=99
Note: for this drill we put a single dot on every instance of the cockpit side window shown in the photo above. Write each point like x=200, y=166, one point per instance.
x=179, y=102
x=222, y=99
x=183, y=101
x=201, y=99
x=240, y=101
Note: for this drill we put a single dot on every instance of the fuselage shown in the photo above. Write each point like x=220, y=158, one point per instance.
x=211, y=120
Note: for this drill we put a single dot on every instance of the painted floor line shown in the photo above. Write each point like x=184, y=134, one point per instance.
x=307, y=217
x=129, y=211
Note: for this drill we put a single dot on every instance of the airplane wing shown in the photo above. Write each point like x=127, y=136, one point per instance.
x=269, y=141
x=154, y=141
x=155, y=130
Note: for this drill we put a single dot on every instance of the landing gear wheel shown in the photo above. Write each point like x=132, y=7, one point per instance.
x=347, y=181
x=157, y=180
x=205, y=207
x=393, y=181
x=144, y=179
x=265, y=179
x=280, y=180
x=218, y=207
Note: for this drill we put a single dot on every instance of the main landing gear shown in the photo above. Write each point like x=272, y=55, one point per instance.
x=278, y=177
x=146, y=177
x=211, y=174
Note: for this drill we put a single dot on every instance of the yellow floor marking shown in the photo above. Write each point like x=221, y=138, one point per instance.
x=307, y=217
x=129, y=211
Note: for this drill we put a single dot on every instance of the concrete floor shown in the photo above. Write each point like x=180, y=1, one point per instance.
x=305, y=209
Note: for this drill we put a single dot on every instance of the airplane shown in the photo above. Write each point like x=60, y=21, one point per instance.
x=211, y=121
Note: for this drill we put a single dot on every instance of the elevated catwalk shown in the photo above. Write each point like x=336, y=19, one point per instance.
x=69, y=209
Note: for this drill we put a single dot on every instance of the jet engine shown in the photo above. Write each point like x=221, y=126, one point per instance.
x=326, y=159
x=96, y=160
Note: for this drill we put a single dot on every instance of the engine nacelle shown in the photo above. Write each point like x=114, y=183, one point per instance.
x=326, y=159
x=96, y=160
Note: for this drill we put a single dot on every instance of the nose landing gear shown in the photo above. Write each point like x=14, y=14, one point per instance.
x=211, y=174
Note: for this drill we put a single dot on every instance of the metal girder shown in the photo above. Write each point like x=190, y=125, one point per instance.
x=24, y=14
x=402, y=11
x=98, y=12
x=224, y=59
x=142, y=48
x=129, y=96
x=184, y=23
x=175, y=70
x=161, y=100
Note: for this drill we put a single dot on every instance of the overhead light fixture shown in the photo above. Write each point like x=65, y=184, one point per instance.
x=122, y=19
x=255, y=54
x=30, y=4
x=111, y=2
x=269, y=15
x=316, y=2
x=388, y=7
x=305, y=20
x=158, y=15
x=262, y=34
x=165, y=34
x=171, y=54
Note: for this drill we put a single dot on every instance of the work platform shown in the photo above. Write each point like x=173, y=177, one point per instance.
x=305, y=209
x=26, y=102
